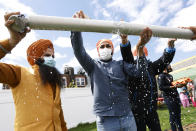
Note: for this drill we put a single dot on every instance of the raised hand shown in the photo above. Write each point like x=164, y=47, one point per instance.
x=171, y=43
x=124, y=38
x=145, y=36
x=80, y=14
x=193, y=29
x=15, y=37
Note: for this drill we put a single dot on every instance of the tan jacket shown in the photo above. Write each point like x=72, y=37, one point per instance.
x=36, y=110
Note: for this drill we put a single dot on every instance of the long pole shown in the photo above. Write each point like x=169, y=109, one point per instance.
x=38, y=22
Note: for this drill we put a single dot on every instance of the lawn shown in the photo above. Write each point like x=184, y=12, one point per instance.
x=188, y=117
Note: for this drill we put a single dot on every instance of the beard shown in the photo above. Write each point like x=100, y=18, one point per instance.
x=49, y=74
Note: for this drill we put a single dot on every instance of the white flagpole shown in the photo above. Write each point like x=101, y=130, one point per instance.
x=38, y=22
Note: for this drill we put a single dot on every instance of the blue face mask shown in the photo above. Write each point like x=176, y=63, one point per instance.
x=49, y=61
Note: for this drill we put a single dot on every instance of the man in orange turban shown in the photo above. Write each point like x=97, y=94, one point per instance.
x=108, y=83
x=36, y=91
x=143, y=92
x=105, y=54
x=36, y=50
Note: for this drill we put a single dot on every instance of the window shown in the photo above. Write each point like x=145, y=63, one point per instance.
x=80, y=81
x=64, y=81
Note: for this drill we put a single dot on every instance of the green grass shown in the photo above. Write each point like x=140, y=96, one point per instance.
x=188, y=116
x=85, y=127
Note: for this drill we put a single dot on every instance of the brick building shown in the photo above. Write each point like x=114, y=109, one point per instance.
x=74, y=80
x=70, y=80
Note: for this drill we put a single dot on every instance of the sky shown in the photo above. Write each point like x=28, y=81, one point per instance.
x=171, y=13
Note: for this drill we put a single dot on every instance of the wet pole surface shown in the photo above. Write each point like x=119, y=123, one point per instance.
x=38, y=22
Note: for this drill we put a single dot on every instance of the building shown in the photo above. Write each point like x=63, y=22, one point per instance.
x=70, y=80
x=5, y=87
x=185, y=68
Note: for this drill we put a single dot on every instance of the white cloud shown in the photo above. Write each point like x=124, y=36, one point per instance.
x=186, y=46
x=129, y=7
x=19, y=52
x=72, y=63
x=180, y=45
x=184, y=17
x=100, y=10
x=13, y=62
x=59, y=56
x=64, y=42
x=146, y=11
x=15, y=5
x=92, y=53
x=155, y=12
x=18, y=55
x=106, y=13
x=5, y=33
x=161, y=44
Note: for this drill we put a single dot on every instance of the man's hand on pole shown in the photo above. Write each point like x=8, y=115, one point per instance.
x=145, y=37
x=171, y=43
x=80, y=14
x=15, y=37
x=193, y=29
x=124, y=39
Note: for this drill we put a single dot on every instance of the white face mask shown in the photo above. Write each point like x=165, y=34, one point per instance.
x=49, y=61
x=105, y=54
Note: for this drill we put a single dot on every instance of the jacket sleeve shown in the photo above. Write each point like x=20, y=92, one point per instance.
x=84, y=59
x=160, y=64
x=126, y=52
x=63, y=123
x=5, y=45
x=162, y=84
x=133, y=71
x=9, y=74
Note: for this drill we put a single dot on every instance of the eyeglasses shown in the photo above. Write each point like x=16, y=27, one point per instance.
x=106, y=45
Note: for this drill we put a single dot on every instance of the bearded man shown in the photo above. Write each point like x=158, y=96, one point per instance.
x=36, y=91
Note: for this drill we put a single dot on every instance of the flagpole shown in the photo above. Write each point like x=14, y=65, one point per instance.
x=38, y=22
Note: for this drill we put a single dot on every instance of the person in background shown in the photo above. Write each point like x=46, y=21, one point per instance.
x=190, y=87
x=184, y=98
x=36, y=91
x=143, y=92
x=171, y=98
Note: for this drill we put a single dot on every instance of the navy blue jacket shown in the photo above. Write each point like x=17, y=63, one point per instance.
x=143, y=92
x=108, y=80
x=164, y=82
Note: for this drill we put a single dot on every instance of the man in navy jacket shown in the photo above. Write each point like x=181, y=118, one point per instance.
x=108, y=82
x=143, y=92
x=171, y=98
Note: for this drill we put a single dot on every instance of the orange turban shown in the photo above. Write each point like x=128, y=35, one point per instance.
x=144, y=49
x=36, y=50
x=105, y=40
